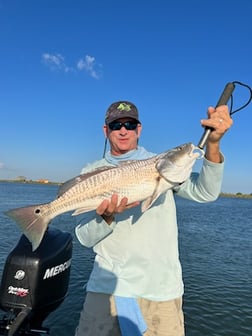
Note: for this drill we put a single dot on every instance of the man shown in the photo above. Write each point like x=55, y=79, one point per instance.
x=136, y=285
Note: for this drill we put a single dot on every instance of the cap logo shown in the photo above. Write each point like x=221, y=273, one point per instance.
x=124, y=107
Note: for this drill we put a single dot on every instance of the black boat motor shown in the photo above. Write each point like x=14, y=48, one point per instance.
x=34, y=283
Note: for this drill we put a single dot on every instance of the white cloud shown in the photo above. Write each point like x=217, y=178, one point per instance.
x=1, y=165
x=56, y=62
x=88, y=64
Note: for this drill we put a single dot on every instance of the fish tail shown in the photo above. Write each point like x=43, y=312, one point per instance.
x=31, y=222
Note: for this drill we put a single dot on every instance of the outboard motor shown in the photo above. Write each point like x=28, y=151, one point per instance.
x=34, y=283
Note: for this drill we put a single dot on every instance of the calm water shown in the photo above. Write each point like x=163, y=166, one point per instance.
x=215, y=250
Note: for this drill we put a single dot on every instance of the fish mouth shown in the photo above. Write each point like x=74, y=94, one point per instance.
x=196, y=152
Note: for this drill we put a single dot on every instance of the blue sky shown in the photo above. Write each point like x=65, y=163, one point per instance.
x=62, y=63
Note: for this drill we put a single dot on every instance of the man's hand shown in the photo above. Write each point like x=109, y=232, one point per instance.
x=220, y=121
x=109, y=207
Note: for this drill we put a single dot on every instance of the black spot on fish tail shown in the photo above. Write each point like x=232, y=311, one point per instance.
x=31, y=222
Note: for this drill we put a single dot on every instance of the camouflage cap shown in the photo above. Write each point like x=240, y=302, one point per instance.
x=121, y=109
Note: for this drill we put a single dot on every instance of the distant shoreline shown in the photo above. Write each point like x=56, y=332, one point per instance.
x=222, y=194
x=31, y=182
x=237, y=195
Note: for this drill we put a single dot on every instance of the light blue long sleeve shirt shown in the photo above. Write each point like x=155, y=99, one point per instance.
x=137, y=255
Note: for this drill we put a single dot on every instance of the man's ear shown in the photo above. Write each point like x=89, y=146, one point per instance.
x=105, y=130
x=139, y=130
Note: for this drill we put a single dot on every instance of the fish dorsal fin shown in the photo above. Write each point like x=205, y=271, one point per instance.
x=123, y=163
x=78, y=179
x=161, y=187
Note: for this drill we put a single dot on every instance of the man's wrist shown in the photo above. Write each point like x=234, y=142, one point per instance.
x=213, y=153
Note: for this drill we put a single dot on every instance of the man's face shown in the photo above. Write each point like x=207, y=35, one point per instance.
x=123, y=135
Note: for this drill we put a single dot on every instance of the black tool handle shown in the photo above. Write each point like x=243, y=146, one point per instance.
x=226, y=94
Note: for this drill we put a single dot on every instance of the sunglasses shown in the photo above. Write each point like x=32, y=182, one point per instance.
x=117, y=125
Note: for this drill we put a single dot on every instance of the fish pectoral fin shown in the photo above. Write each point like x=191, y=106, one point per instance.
x=161, y=187
x=81, y=211
x=146, y=204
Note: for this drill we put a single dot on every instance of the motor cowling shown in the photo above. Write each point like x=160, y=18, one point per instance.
x=35, y=283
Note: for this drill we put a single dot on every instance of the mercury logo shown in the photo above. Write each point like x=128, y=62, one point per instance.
x=55, y=270
x=20, y=274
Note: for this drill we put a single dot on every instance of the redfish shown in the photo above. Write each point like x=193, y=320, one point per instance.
x=138, y=180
